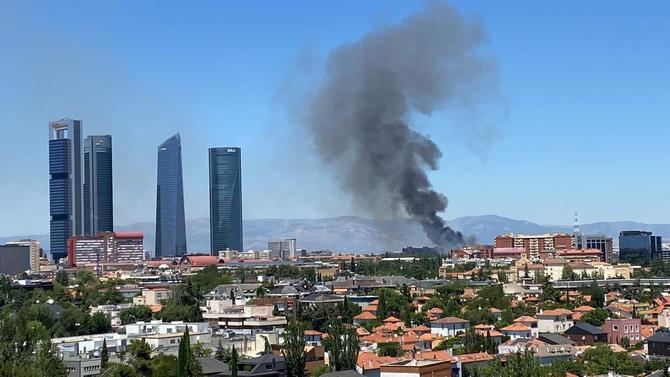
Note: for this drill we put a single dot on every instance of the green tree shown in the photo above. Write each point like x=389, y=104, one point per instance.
x=140, y=356
x=200, y=350
x=342, y=345
x=98, y=323
x=62, y=278
x=595, y=317
x=568, y=273
x=260, y=291
x=187, y=365
x=392, y=349
x=104, y=355
x=135, y=313
x=233, y=363
x=164, y=365
x=221, y=353
x=597, y=295
x=352, y=268
x=294, y=348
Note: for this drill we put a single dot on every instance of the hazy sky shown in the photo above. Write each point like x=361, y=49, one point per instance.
x=582, y=122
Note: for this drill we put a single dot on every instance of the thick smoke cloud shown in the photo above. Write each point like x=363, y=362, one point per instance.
x=360, y=114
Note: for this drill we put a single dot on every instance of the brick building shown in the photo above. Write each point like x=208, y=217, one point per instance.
x=536, y=246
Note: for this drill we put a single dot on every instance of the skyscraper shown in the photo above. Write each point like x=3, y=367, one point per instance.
x=638, y=247
x=170, y=219
x=98, y=198
x=65, y=184
x=225, y=199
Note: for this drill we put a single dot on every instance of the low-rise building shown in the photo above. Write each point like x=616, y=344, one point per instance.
x=77, y=366
x=585, y=334
x=153, y=296
x=617, y=329
x=416, y=368
x=554, y=321
x=658, y=345
x=517, y=330
x=449, y=326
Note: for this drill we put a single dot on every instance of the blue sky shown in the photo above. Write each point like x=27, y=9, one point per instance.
x=582, y=122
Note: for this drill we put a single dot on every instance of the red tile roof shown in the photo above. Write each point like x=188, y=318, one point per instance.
x=518, y=326
x=446, y=320
x=365, y=316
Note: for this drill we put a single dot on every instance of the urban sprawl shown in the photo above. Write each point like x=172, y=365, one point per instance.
x=99, y=304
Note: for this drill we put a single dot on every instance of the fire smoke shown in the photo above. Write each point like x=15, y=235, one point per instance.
x=360, y=115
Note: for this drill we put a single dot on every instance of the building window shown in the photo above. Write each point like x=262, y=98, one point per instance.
x=615, y=327
x=625, y=328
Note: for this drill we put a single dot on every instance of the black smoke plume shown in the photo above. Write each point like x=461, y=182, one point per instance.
x=360, y=114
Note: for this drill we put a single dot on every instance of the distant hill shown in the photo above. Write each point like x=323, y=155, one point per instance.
x=354, y=234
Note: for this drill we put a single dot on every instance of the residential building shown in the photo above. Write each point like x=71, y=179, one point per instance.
x=268, y=365
x=658, y=345
x=536, y=246
x=529, y=321
x=225, y=313
x=98, y=197
x=107, y=248
x=283, y=249
x=170, y=218
x=554, y=321
x=585, y=334
x=225, y=199
x=517, y=330
x=161, y=341
x=65, y=184
x=77, y=366
x=638, y=247
x=617, y=329
x=153, y=296
x=14, y=259
x=34, y=250
x=449, y=326
x=416, y=368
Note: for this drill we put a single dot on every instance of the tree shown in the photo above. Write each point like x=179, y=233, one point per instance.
x=233, y=363
x=267, y=348
x=200, y=350
x=104, y=355
x=232, y=295
x=392, y=349
x=62, y=278
x=568, y=273
x=526, y=272
x=135, y=313
x=260, y=291
x=597, y=295
x=221, y=353
x=596, y=317
x=164, y=365
x=140, y=354
x=187, y=365
x=342, y=345
x=294, y=348
x=353, y=265
x=98, y=323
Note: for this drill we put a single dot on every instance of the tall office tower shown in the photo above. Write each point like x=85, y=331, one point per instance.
x=637, y=247
x=225, y=199
x=98, y=198
x=65, y=184
x=170, y=219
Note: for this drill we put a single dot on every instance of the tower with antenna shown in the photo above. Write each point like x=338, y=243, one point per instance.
x=576, y=229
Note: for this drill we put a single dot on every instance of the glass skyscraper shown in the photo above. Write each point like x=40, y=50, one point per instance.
x=98, y=198
x=170, y=219
x=639, y=247
x=65, y=184
x=225, y=199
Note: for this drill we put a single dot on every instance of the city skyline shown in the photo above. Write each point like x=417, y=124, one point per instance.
x=589, y=130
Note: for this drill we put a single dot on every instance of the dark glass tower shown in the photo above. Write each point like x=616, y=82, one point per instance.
x=170, y=219
x=98, y=199
x=638, y=247
x=225, y=199
x=65, y=184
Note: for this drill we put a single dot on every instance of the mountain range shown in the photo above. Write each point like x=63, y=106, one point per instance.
x=356, y=234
